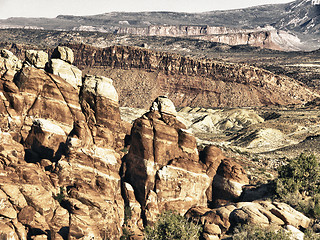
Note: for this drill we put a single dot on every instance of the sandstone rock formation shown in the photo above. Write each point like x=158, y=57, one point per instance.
x=38, y=59
x=65, y=172
x=160, y=151
x=58, y=184
x=9, y=65
x=164, y=168
x=63, y=53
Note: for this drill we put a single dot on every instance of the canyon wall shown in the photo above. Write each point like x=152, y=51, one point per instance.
x=140, y=75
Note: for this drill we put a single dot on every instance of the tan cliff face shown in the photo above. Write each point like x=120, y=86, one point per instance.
x=141, y=74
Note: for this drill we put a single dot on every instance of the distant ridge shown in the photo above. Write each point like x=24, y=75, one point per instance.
x=300, y=19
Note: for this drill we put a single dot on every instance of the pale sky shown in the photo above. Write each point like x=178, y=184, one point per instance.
x=52, y=8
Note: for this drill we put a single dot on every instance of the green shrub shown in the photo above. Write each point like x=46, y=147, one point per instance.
x=298, y=184
x=254, y=232
x=171, y=225
x=300, y=175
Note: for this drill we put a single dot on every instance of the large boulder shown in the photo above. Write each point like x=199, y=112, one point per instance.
x=36, y=58
x=65, y=70
x=61, y=65
x=228, y=181
x=63, y=53
x=9, y=65
x=165, y=105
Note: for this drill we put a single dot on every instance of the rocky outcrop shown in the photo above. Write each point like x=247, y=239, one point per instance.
x=160, y=147
x=9, y=65
x=220, y=220
x=69, y=170
x=228, y=181
x=61, y=65
x=63, y=53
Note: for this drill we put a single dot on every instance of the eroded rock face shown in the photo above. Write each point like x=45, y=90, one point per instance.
x=100, y=103
x=62, y=175
x=163, y=163
x=188, y=81
x=61, y=65
x=228, y=181
x=66, y=71
x=46, y=139
x=268, y=37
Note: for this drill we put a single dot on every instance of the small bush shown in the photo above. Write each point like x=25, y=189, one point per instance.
x=254, y=232
x=171, y=226
x=60, y=196
x=298, y=184
x=300, y=175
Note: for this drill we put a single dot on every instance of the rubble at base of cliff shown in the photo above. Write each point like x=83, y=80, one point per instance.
x=70, y=166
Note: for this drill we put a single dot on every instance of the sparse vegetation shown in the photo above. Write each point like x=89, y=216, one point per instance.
x=127, y=214
x=171, y=225
x=254, y=232
x=311, y=235
x=60, y=196
x=126, y=233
